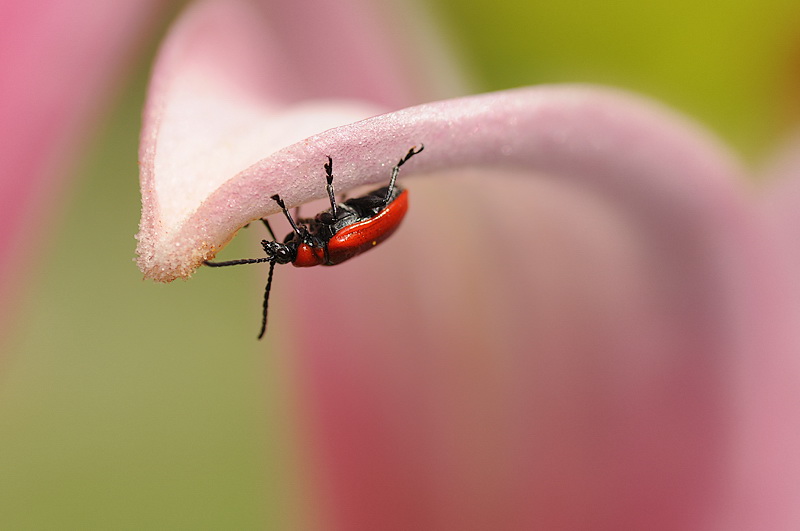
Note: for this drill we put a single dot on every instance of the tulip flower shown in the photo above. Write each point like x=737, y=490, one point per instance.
x=587, y=321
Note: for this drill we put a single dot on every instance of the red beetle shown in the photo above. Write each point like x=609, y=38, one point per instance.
x=337, y=234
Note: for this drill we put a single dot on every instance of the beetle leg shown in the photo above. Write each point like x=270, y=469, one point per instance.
x=396, y=170
x=286, y=213
x=269, y=229
x=266, y=224
x=329, y=186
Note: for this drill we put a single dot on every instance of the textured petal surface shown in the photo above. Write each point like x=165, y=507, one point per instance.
x=235, y=82
x=538, y=129
x=560, y=334
x=582, y=324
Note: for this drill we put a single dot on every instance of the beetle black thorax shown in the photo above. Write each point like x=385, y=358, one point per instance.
x=323, y=226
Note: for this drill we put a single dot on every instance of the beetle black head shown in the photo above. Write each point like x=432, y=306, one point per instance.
x=280, y=253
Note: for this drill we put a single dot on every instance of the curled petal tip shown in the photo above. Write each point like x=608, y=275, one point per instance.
x=616, y=141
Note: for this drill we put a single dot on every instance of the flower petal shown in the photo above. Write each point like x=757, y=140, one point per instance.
x=58, y=62
x=554, y=337
x=530, y=128
x=781, y=193
x=767, y=432
x=234, y=83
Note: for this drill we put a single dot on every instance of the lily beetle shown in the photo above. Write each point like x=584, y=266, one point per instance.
x=335, y=235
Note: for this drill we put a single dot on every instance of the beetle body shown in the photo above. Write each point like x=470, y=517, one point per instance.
x=337, y=234
x=364, y=225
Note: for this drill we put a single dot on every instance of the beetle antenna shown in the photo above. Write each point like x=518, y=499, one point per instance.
x=237, y=262
x=329, y=186
x=396, y=170
x=266, y=300
x=281, y=204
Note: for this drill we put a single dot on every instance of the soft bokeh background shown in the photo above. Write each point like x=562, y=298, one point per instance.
x=125, y=404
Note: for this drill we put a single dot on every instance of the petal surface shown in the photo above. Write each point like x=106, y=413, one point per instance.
x=235, y=82
x=570, y=330
x=767, y=433
x=556, y=337
x=534, y=128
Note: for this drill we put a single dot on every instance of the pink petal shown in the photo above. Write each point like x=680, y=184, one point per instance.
x=568, y=351
x=767, y=432
x=781, y=193
x=199, y=199
x=234, y=83
x=559, y=352
x=58, y=62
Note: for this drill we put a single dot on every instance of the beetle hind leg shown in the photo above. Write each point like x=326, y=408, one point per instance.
x=396, y=170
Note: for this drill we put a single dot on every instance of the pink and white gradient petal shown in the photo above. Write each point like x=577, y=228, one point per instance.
x=580, y=325
x=558, y=333
x=235, y=82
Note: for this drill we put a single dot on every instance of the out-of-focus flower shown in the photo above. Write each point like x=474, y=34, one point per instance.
x=587, y=321
x=609, y=344
x=58, y=61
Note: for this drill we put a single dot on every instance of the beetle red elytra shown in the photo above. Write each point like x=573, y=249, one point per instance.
x=335, y=235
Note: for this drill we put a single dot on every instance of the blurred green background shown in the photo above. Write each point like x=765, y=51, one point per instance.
x=733, y=65
x=130, y=405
